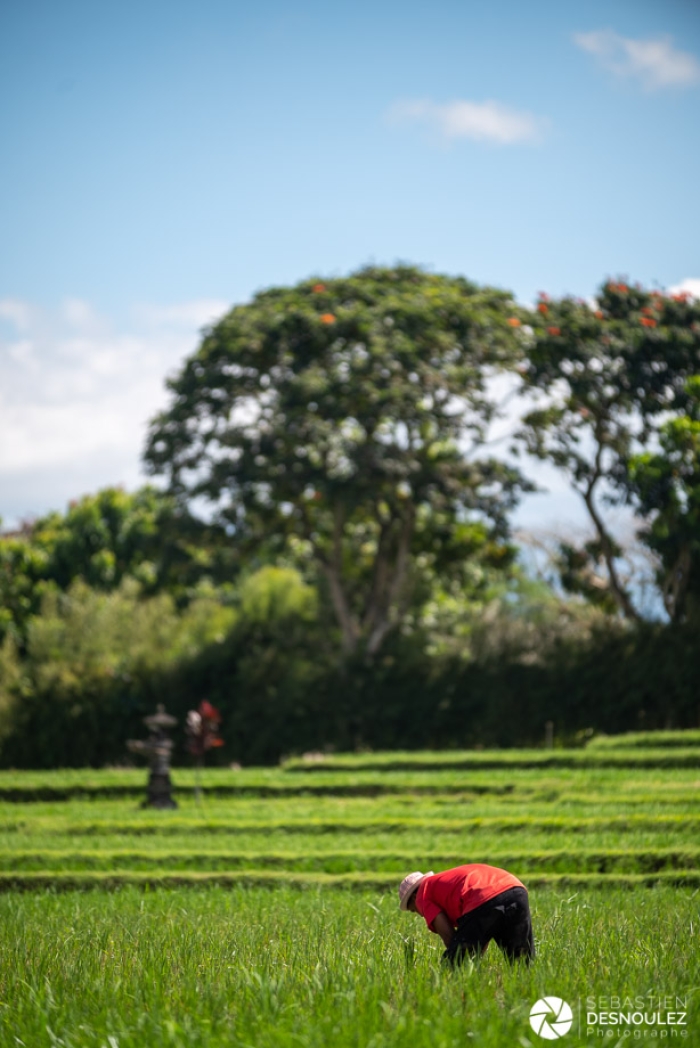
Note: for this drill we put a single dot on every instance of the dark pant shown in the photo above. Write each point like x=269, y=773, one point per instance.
x=505, y=919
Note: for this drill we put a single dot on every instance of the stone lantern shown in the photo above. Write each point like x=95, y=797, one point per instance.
x=158, y=749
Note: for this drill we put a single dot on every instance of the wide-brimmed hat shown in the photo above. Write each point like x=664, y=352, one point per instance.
x=409, y=885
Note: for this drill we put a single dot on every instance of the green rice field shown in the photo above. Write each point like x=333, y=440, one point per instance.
x=265, y=913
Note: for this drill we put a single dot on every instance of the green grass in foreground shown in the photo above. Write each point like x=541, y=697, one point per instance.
x=250, y=967
x=249, y=940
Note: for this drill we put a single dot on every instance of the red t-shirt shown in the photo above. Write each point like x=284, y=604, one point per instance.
x=456, y=892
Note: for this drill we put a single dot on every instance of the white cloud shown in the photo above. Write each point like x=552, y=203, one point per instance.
x=79, y=314
x=655, y=62
x=77, y=393
x=18, y=313
x=691, y=285
x=480, y=121
x=22, y=352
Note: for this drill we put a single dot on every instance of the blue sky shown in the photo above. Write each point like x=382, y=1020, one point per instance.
x=162, y=161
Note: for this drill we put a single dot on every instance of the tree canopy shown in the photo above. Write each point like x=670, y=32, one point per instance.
x=345, y=417
x=608, y=374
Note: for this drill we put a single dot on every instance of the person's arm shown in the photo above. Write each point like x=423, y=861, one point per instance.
x=444, y=929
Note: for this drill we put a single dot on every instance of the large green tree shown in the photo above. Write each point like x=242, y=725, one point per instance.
x=607, y=375
x=344, y=418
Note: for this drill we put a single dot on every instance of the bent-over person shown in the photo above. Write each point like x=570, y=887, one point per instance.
x=469, y=906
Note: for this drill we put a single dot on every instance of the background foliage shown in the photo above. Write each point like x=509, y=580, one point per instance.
x=357, y=584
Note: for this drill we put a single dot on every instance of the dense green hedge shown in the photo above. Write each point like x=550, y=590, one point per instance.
x=280, y=694
x=619, y=682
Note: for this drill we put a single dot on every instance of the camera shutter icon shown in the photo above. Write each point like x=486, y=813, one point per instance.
x=551, y=1018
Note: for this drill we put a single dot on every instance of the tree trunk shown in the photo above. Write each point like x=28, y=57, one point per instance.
x=381, y=611
x=676, y=585
x=384, y=620
x=333, y=570
x=620, y=594
x=349, y=629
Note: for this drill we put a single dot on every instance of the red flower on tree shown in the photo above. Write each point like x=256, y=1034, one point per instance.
x=553, y=331
x=647, y=321
x=318, y=288
x=543, y=308
x=327, y=318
